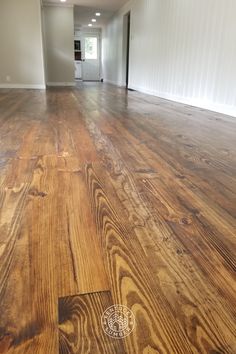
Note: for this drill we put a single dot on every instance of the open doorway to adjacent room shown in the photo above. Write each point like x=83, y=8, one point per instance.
x=88, y=24
x=126, y=48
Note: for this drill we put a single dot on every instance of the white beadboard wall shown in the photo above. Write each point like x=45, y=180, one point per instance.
x=183, y=50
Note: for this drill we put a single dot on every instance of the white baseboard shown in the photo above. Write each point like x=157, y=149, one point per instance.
x=215, y=107
x=20, y=86
x=60, y=84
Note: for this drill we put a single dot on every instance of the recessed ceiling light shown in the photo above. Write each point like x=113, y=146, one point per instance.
x=98, y=14
x=90, y=24
x=63, y=0
x=94, y=20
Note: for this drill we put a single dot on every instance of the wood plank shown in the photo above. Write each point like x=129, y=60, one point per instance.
x=14, y=258
x=29, y=286
x=80, y=327
x=79, y=248
x=41, y=225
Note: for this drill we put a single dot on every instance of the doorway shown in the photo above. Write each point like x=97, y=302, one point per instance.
x=126, y=49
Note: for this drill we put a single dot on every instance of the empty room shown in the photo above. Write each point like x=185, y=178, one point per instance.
x=117, y=177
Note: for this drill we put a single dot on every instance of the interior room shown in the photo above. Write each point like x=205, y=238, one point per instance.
x=117, y=177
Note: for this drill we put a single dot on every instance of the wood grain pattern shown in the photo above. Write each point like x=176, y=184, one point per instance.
x=131, y=287
x=29, y=286
x=79, y=248
x=80, y=329
x=152, y=231
x=106, y=197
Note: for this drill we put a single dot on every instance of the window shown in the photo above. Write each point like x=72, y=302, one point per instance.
x=91, y=48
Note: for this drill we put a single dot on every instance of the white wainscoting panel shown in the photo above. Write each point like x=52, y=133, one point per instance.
x=183, y=50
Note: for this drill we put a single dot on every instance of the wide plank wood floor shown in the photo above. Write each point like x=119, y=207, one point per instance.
x=115, y=197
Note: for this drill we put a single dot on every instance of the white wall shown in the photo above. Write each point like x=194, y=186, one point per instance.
x=112, y=48
x=184, y=50
x=58, y=23
x=21, y=53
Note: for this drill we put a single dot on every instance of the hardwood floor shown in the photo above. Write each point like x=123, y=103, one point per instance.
x=113, y=197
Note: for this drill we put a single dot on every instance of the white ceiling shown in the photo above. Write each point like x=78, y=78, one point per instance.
x=83, y=16
x=108, y=5
x=85, y=10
